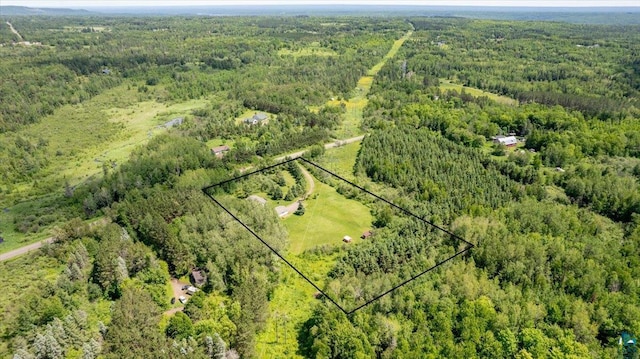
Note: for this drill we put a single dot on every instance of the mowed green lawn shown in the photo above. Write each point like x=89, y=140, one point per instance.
x=329, y=216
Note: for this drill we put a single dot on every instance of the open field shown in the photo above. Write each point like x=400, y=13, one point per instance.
x=314, y=49
x=392, y=52
x=81, y=139
x=328, y=218
x=341, y=160
x=355, y=105
x=448, y=85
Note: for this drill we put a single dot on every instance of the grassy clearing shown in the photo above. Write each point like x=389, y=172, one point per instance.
x=314, y=49
x=328, y=218
x=392, y=52
x=291, y=305
x=106, y=128
x=341, y=160
x=447, y=85
x=81, y=138
x=354, y=107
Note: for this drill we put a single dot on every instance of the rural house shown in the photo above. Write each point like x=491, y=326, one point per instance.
x=508, y=141
x=366, y=235
x=198, y=277
x=220, y=150
x=346, y=239
x=255, y=119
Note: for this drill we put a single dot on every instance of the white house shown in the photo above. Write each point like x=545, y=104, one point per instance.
x=508, y=141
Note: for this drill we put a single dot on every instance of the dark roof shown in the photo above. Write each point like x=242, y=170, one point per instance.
x=198, y=277
x=366, y=234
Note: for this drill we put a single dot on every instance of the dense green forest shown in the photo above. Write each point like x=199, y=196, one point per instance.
x=555, y=219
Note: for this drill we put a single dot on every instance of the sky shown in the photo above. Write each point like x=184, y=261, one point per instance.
x=532, y=3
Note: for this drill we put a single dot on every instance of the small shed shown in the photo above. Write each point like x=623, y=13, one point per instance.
x=198, y=277
x=366, y=235
x=346, y=239
x=220, y=150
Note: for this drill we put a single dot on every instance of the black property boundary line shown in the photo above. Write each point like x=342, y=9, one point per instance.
x=347, y=312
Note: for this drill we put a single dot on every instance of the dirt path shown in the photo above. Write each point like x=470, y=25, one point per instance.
x=334, y=144
x=26, y=249
x=309, y=179
x=15, y=31
x=37, y=245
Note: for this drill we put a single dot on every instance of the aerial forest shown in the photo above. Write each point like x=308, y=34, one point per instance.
x=111, y=126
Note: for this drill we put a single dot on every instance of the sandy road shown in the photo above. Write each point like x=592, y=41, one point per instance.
x=15, y=31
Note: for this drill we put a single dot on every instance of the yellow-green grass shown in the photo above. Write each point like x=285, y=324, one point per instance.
x=392, y=52
x=341, y=160
x=291, y=305
x=448, y=85
x=354, y=107
x=26, y=276
x=106, y=128
x=314, y=49
x=80, y=28
x=328, y=217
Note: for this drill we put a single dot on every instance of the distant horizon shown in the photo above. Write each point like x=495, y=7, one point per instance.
x=86, y=4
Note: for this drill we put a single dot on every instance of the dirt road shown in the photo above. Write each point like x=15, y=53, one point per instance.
x=336, y=143
x=22, y=250
x=309, y=179
x=15, y=31
x=37, y=245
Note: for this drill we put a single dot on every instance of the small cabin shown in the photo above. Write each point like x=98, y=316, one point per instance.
x=366, y=235
x=220, y=150
x=346, y=239
x=198, y=277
